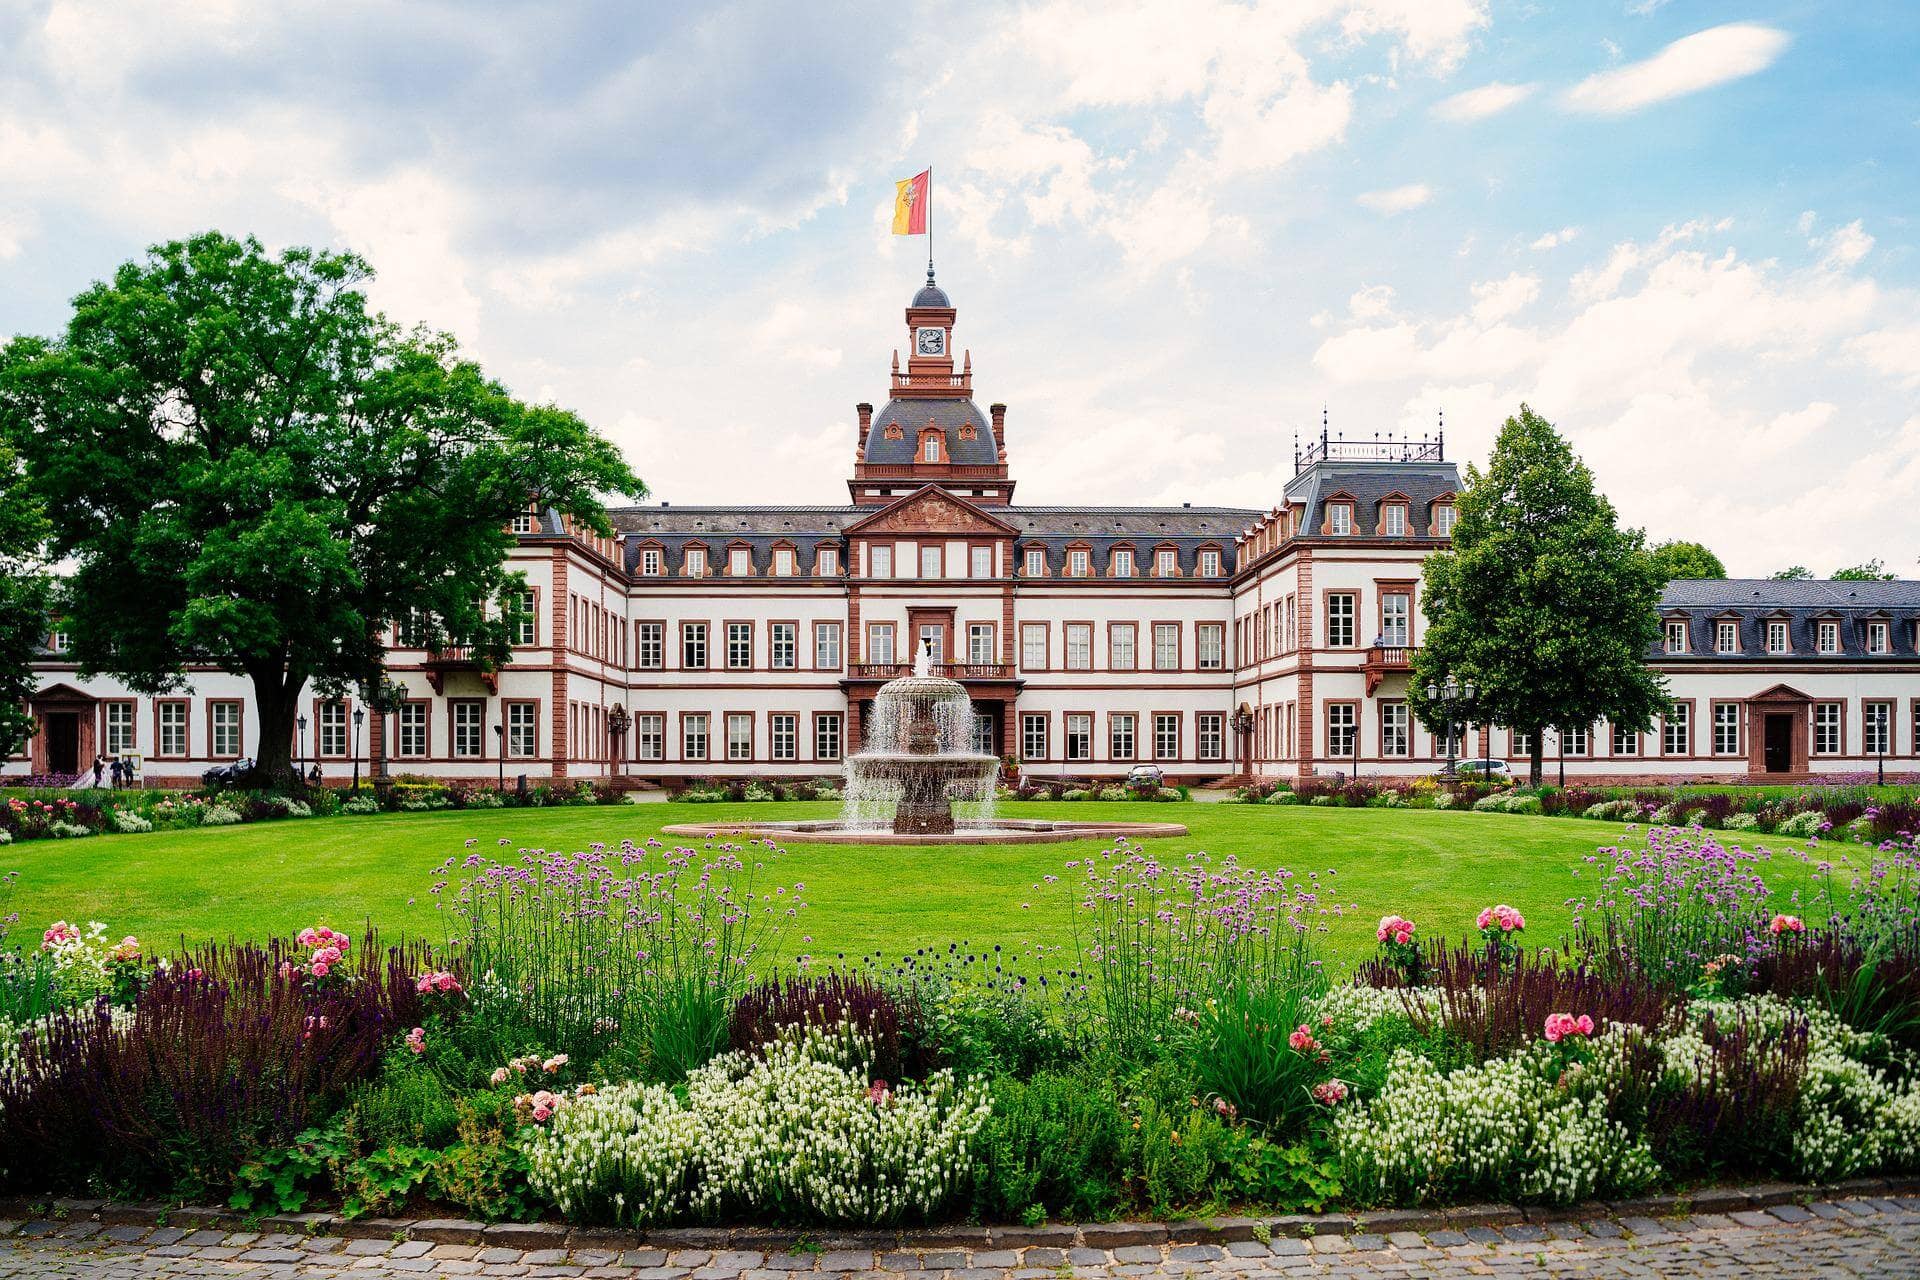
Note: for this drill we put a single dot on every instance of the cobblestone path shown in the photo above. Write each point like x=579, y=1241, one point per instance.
x=1845, y=1238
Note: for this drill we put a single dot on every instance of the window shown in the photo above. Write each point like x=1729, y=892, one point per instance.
x=1166, y=562
x=880, y=642
x=980, y=562
x=1079, y=646
x=1340, y=518
x=826, y=736
x=1573, y=742
x=930, y=449
x=980, y=646
x=1211, y=726
x=1033, y=645
x=1676, y=730
x=693, y=646
x=1395, y=735
x=1210, y=563
x=223, y=728
x=1523, y=746
x=650, y=736
x=739, y=562
x=739, y=735
x=826, y=646
x=469, y=727
x=119, y=728
x=1625, y=743
x=1877, y=638
x=933, y=642
x=523, y=522
x=1123, y=563
x=1289, y=637
x=783, y=645
x=696, y=562
x=1395, y=520
x=1079, y=735
x=827, y=561
x=1876, y=726
x=984, y=740
x=650, y=561
x=1120, y=734
x=1726, y=728
x=1036, y=563
x=739, y=646
x=932, y=559
x=879, y=561
x=1826, y=728
x=332, y=730
x=1340, y=611
x=1776, y=637
x=1396, y=608
x=1443, y=521
x=1166, y=646
x=1341, y=730
x=526, y=623
x=1726, y=637
x=1676, y=635
x=1210, y=644
x=693, y=736
x=1166, y=735
x=650, y=645
x=1033, y=736
x=523, y=729
x=411, y=632
x=410, y=732
x=783, y=562
x=783, y=734
x=1829, y=637
x=1077, y=563
x=1121, y=646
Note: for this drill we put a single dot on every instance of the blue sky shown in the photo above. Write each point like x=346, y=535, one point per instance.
x=1684, y=231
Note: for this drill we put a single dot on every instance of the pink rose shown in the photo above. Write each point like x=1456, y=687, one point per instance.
x=1787, y=924
x=417, y=1040
x=1330, y=1093
x=1302, y=1038
x=500, y=1075
x=320, y=968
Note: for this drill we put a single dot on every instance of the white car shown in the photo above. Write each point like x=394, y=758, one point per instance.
x=1146, y=775
x=1491, y=770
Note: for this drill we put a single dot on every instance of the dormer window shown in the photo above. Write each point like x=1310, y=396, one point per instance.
x=1443, y=521
x=1036, y=563
x=696, y=562
x=1726, y=637
x=739, y=562
x=1122, y=563
x=650, y=561
x=1340, y=519
x=1676, y=635
x=783, y=562
x=826, y=561
x=1777, y=637
x=1077, y=562
x=1210, y=563
x=1879, y=638
x=1394, y=520
x=930, y=449
x=58, y=641
x=1166, y=562
x=1829, y=637
x=524, y=522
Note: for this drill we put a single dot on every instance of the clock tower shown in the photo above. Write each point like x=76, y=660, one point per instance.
x=931, y=431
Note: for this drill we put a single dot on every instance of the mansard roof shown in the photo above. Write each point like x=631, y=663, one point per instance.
x=976, y=448
x=1754, y=602
x=1368, y=485
x=1772, y=593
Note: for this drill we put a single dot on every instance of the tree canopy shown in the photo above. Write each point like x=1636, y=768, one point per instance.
x=1871, y=571
x=1794, y=573
x=1543, y=600
x=23, y=598
x=249, y=468
x=1672, y=560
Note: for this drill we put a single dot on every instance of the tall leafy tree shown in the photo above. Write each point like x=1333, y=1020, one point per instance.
x=1543, y=600
x=1673, y=560
x=1871, y=571
x=23, y=598
x=249, y=468
x=1793, y=573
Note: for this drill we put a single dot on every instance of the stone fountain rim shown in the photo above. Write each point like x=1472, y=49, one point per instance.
x=1003, y=831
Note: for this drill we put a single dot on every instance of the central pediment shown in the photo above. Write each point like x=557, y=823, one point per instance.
x=932, y=509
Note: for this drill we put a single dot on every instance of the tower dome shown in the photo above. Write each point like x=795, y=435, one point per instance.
x=931, y=294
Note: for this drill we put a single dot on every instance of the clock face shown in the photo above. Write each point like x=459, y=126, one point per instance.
x=930, y=341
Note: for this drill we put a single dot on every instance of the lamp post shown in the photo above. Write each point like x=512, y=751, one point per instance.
x=359, y=718
x=500, y=750
x=618, y=722
x=300, y=749
x=1453, y=698
x=1883, y=725
x=1243, y=725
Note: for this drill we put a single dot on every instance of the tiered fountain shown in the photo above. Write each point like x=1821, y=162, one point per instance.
x=919, y=767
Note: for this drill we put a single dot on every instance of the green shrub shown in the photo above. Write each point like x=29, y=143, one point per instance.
x=359, y=805
x=1282, y=797
x=127, y=822
x=1075, y=793
x=1743, y=821
x=757, y=791
x=408, y=1105
x=74, y=831
x=1239, y=1052
x=1326, y=800
x=1051, y=1148
x=481, y=798
x=1803, y=825
x=1115, y=793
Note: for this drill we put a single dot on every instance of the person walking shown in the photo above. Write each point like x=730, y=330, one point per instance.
x=99, y=767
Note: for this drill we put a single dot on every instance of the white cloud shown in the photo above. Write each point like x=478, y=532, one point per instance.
x=1554, y=239
x=1479, y=104
x=1496, y=300
x=1845, y=246
x=1395, y=200
x=1688, y=65
x=1371, y=302
x=1893, y=351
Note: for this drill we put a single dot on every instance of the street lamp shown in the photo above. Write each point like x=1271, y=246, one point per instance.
x=359, y=718
x=500, y=750
x=1243, y=725
x=1453, y=698
x=300, y=748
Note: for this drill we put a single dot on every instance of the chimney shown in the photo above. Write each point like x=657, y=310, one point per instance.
x=999, y=412
x=865, y=411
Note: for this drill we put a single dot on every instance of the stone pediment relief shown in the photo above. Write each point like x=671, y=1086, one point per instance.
x=933, y=511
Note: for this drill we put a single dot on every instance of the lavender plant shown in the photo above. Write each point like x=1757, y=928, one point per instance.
x=1674, y=906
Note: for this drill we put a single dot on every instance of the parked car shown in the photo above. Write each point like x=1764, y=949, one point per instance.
x=229, y=774
x=1491, y=770
x=1146, y=777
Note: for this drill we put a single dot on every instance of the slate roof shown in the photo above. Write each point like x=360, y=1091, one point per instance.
x=1369, y=482
x=1753, y=602
x=931, y=295
x=948, y=415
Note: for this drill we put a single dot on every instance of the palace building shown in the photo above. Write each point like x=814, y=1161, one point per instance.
x=1216, y=642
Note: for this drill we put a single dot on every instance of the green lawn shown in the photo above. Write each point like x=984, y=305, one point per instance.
x=1438, y=868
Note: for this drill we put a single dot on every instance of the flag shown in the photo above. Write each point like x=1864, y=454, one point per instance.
x=911, y=197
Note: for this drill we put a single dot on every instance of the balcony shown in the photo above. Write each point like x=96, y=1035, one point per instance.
x=444, y=659
x=1383, y=660
x=961, y=671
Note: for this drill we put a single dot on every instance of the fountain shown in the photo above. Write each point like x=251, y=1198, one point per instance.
x=918, y=768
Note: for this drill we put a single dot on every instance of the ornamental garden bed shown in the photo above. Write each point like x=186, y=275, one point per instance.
x=609, y=1037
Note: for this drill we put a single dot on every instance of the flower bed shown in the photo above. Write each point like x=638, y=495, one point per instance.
x=635, y=1034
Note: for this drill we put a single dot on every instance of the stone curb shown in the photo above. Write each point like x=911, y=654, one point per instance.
x=958, y=1236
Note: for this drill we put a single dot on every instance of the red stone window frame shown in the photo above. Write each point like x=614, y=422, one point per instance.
x=107, y=748
x=706, y=560
x=1134, y=628
x=993, y=641
x=892, y=631
x=839, y=645
x=1045, y=721
x=1693, y=730
x=319, y=738
x=1082, y=549
x=1401, y=705
x=1200, y=629
x=738, y=545
x=705, y=720
x=706, y=645
x=1113, y=560
x=639, y=662
x=1066, y=735
x=1392, y=501
x=1066, y=644
x=640, y=560
x=839, y=720
x=1892, y=708
x=726, y=737
x=1027, y=553
x=1163, y=552
x=773, y=752
x=1334, y=753
x=506, y=740
x=1840, y=727
x=1046, y=630
x=1200, y=560
x=727, y=626
x=1434, y=508
x=186, y=729
x=938, y=438
x=821, y=552
x=239, y=728
x=1328, y=526
x=795, y=664
x=426, y=731
x=1179, y=644
x=1132, y=721
x=1179, y=735
x=792, y=553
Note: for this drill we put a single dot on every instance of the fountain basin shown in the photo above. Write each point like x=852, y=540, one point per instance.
x=998, y=831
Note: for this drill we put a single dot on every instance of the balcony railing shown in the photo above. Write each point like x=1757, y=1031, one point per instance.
x=1383, y=660
x=457, y=657
x=950, y=670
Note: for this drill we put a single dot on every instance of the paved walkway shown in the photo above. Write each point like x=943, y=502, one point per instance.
x=1848, y=1238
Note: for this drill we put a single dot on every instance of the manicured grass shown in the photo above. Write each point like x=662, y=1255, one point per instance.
x=1438, y=868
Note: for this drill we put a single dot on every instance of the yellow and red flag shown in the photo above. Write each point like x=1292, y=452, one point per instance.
x=911, y=200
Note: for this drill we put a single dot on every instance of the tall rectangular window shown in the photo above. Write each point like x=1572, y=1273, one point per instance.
x=1342, y=727
x=1625, y=743
x=1395, y=520
x=826, y=561
x=1573, y=742
x=1033, y=645
x=1077, y=562
x=1726, y=637
x=1826, y=728
x=650, y=562
x=1829, y=637
x=1396, y=737
x=1340, y=611
x=693, y=646
x=526, y=623
x=1776, y=637
x=1079, y=646
x=739, y=646
x=1079, y=735
x=1726, y=728
x=1122, y=563
x=469, y=727
x=880, y=560
x=1121, y=641
x=1396, y=609
x=932, y=560
x=1876, y=724
x=1036, y=563
x=693, y=736
x=1166, y=735
x=1676, y=730
x=120, y=733
x=880, y=642
x=650, y=736
x=739, y=735
x=1443, y=522
x=410, y=731
x=523, y=730
x=826, y=736
x=1210, y=643
x=783, y=645
x=1120, y=735
x=1210, y=563
x=933, y=642
x=739, y=562
x=980, y=562
x=1166, y=562
x=1289, y=633
x=1210, y=726
x=783, y=562
x=223, y=725
x=783, y=735
x=1877, y=638
x=333, y=729
x=1033, y=736
x=826, y=646
x=980, y=643
x=1340, y=519
x=1676, y=636
x=696, y=562
x=650, y=645
x=1166, y=646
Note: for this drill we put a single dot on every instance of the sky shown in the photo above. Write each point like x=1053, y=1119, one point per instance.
x=1176, y=233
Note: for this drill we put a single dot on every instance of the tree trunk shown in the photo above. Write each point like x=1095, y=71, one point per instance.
x=276, y=698
x=1535, y=766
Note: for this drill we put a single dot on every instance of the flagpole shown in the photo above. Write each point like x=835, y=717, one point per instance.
x=929, y=223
